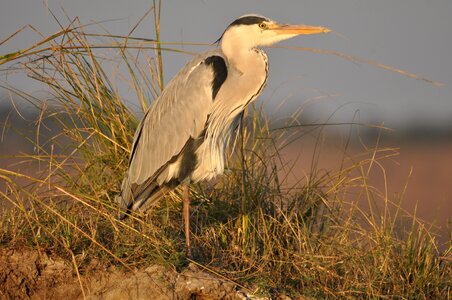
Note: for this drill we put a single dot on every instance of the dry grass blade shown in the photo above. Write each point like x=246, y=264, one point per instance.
x=365, y=61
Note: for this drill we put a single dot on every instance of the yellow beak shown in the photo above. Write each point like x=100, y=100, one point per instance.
x=298, y=29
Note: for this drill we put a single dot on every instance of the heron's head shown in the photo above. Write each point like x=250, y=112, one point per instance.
x=252, y=31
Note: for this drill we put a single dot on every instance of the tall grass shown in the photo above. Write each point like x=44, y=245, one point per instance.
x=312, y=239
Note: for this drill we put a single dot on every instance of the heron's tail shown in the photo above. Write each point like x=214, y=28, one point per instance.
x=124, y=199
x=128, y=202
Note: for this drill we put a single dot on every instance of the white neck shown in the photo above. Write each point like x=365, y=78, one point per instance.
x=238, y=50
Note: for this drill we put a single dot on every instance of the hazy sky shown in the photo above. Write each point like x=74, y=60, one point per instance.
x=413, y=35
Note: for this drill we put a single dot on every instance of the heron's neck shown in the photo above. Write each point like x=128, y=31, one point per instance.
x=242, y=59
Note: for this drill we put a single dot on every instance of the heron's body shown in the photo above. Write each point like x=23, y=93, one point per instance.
x=183, y=136
x=203, y=123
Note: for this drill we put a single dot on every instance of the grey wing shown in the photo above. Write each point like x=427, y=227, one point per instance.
x=180, y=113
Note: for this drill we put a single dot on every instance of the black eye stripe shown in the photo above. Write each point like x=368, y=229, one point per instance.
x=248, y=20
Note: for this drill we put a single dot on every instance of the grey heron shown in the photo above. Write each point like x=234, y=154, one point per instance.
x=183, y=136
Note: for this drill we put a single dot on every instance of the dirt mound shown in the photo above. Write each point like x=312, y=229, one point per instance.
x=27, y=274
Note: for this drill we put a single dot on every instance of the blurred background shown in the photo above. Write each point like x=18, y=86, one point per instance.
x=412, y=35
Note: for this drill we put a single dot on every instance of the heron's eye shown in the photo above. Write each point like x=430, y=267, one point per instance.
x=263, y=25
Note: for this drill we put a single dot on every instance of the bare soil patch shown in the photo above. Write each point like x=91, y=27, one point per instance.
x=29, y=274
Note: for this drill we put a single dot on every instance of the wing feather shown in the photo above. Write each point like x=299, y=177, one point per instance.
x=178, y=115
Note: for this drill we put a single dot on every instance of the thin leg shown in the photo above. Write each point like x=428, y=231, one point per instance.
x=186, y=219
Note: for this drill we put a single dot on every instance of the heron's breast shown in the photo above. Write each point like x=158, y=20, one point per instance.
x=239, y=89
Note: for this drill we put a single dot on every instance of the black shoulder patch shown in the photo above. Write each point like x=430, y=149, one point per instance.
x=220, y=72
x=248, y=20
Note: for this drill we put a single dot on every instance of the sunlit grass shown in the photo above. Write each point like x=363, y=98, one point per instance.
x=312, y=240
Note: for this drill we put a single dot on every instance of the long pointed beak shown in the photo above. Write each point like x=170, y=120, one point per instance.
x=298, y=29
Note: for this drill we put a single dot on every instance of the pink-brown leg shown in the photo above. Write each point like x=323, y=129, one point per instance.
x=186, y=219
